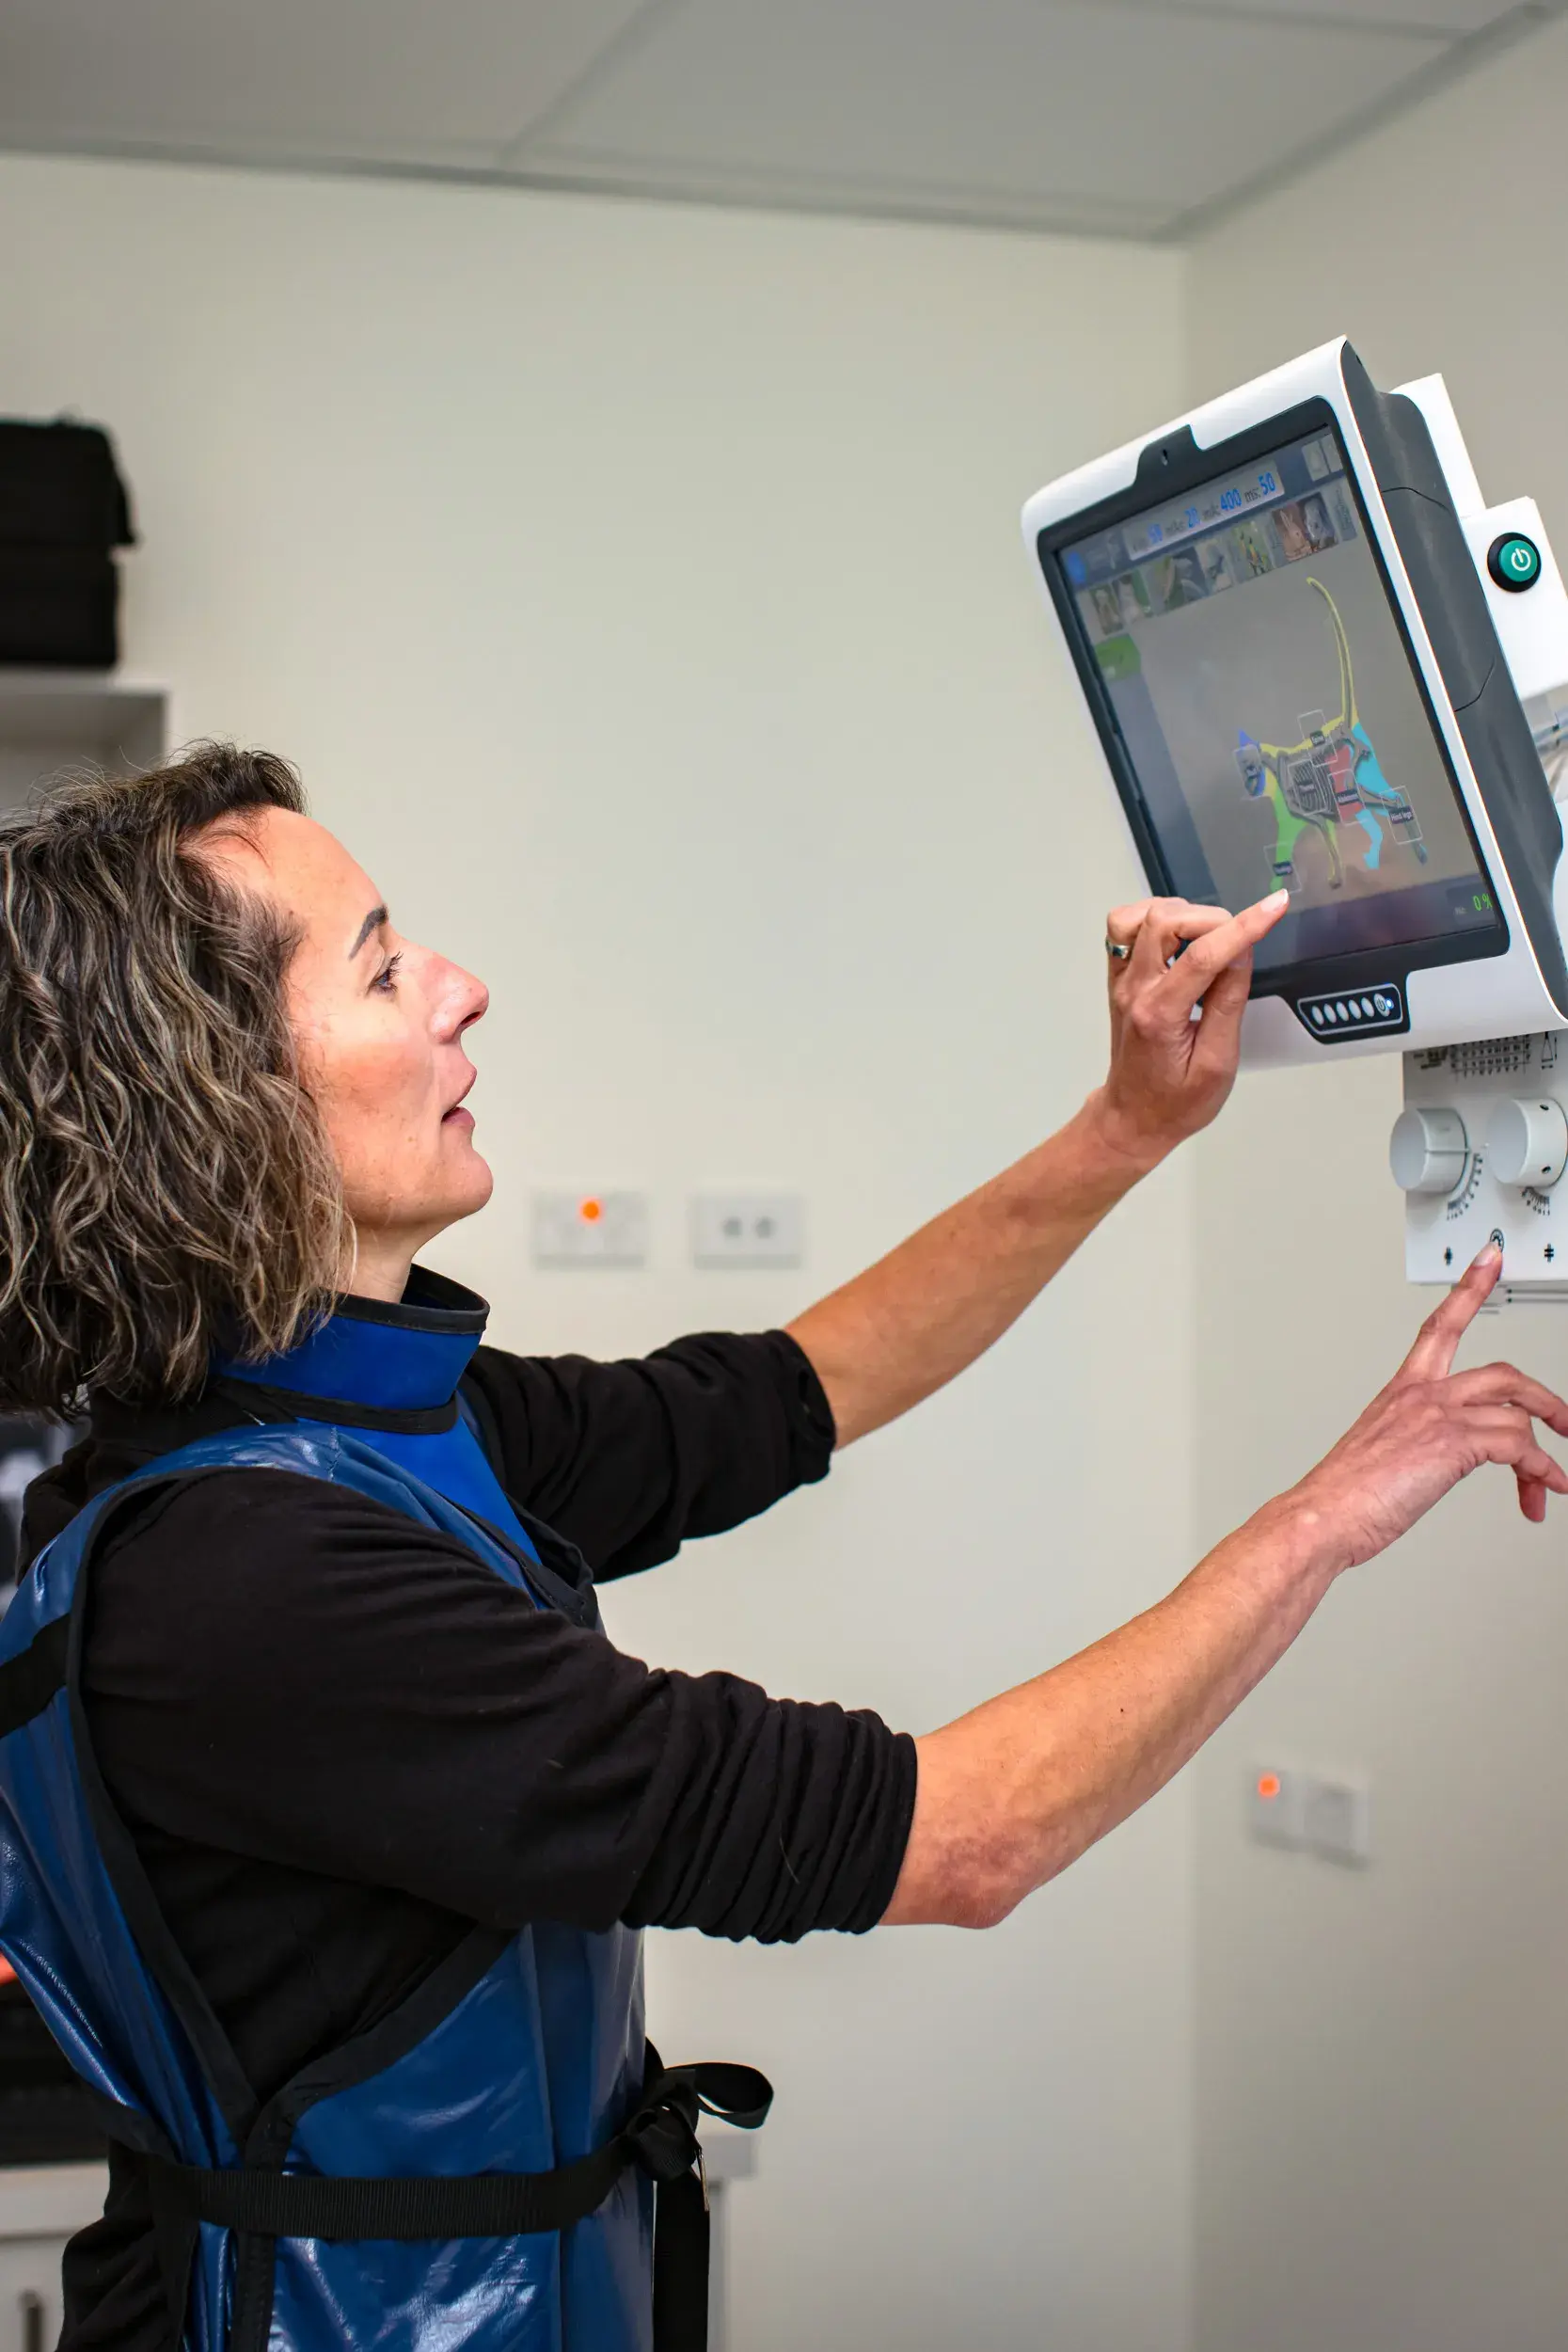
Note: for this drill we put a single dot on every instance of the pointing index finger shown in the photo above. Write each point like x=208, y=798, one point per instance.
x=1438, y=1340
x=1222, y=947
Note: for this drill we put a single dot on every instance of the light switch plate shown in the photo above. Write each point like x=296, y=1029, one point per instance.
x=748, y=1229
x=584, y=1229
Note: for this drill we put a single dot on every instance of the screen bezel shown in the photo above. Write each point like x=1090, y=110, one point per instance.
x=1167, y=470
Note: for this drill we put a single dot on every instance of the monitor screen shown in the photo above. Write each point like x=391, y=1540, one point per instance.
x=1276, y=730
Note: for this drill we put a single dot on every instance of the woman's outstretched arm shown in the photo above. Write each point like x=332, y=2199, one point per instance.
x=1010, y=1795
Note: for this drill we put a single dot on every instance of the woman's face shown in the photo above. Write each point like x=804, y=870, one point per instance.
x=379, y=1025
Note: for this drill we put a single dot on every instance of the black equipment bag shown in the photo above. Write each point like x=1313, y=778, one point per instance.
x=63, y=511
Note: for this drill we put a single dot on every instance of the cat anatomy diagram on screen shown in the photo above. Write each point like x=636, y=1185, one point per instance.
x=1328, y=788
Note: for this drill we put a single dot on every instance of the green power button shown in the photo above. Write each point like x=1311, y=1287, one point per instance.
x=1513, y=561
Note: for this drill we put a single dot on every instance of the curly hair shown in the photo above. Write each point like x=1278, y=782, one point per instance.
x=165, y=1180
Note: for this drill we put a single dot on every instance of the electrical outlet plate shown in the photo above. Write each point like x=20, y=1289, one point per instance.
x=747, y=1229
x=584, y=1229
x=1336, y=1823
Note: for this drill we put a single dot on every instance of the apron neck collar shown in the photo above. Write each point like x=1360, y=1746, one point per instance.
x=401, y=1358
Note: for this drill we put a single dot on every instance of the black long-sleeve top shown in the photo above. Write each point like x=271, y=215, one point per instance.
x=338, y=1739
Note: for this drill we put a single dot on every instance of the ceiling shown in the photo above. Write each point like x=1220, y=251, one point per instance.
x=1133, y=118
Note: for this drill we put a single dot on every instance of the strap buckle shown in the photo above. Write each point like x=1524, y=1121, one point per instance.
x=662, y=2134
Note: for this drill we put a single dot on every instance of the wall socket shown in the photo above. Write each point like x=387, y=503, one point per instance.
x=584, y=1229
x=1336, y=1821
x=747, y=1229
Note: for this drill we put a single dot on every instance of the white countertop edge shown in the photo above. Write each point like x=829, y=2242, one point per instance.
x=50, y=2200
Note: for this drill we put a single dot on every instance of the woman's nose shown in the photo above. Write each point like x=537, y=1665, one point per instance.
x=469, y=999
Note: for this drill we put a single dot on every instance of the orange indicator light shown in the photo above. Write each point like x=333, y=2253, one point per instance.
x=1268, y=1785
x=590, y=1211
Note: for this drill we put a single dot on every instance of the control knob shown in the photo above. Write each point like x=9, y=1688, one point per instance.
x=1428, y=1149
x=1527, y=1142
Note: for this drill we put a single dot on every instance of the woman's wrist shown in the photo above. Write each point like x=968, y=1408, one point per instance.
x=1066, y=1183
x=1124, y=1146
x=1294, y=1544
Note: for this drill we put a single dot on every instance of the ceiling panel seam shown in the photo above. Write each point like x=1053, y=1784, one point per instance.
x=1451, y=65
x=1299, y=19
x=632, y=38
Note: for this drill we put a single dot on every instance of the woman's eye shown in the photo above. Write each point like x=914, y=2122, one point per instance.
x=385, y=979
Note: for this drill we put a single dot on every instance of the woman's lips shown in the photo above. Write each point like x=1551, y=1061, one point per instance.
x=458, y=1116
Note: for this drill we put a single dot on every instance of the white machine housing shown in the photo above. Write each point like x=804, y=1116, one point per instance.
x=1480, y=650
x=1481, y=1149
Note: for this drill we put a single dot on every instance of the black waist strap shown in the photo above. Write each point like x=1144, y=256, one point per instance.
x=659, y=2139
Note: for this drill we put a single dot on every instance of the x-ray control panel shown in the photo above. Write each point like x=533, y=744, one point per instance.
x=1481, y=1150
x=1317, y=659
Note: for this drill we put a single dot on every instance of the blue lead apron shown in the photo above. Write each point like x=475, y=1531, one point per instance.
x=475, y=2172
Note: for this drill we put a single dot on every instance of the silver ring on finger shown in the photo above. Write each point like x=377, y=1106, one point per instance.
x=1117, y=952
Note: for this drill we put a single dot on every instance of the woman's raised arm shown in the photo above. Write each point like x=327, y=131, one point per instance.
x=1011, y=1793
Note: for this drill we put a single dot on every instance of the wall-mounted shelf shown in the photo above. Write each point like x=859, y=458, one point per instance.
x=58, y=719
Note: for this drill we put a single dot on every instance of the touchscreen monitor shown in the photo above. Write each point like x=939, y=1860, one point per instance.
x=1270, y=719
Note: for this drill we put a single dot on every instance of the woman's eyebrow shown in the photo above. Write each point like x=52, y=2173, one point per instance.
x=373, y=922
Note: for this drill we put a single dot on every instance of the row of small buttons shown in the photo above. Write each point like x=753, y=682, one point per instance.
x=1332, y=1012
x=1349, y=1008
x=1381, y=1007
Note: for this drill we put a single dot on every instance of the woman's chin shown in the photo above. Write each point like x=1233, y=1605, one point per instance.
x=481, y=1184
x=469, y=1181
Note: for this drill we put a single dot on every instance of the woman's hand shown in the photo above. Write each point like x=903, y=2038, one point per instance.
x=909, y=1322
x=1170, y=1074
x=1428, y=1429
x=1010, y=1795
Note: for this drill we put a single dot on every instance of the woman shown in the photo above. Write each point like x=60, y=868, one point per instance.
x=327, y=1814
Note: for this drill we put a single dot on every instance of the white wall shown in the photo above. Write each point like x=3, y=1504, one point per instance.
x=640, y=590
x=1382, y=2062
